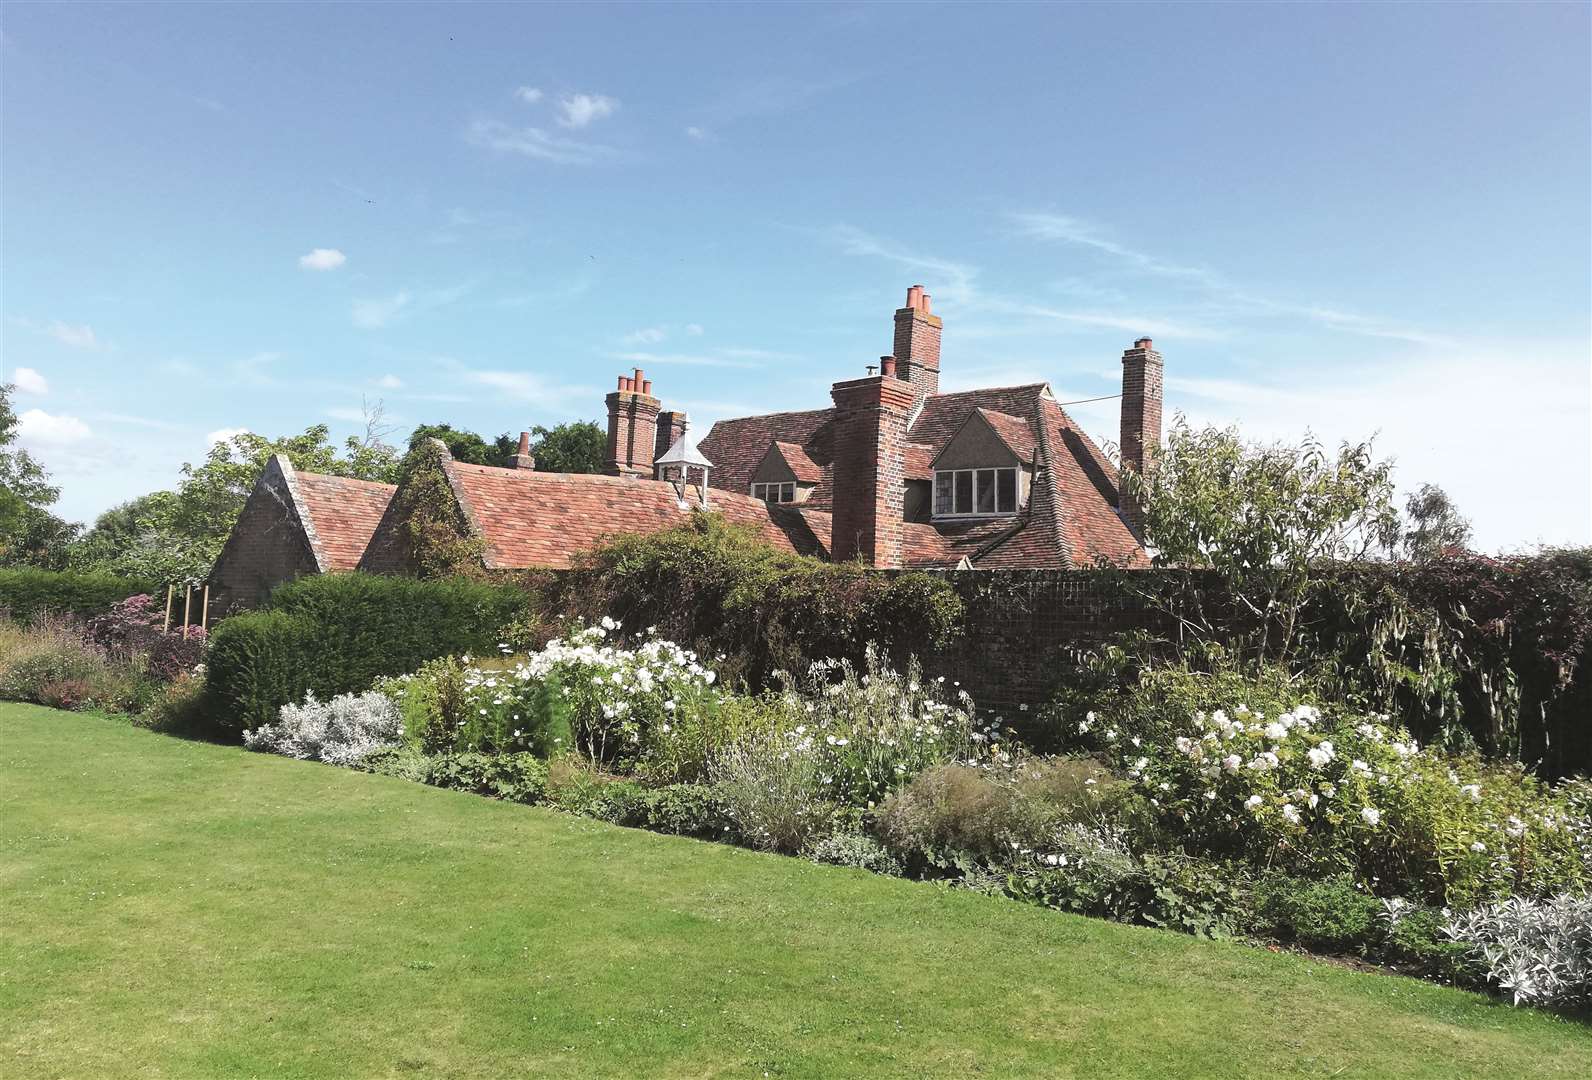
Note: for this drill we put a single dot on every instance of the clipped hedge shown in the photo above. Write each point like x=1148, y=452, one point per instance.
x=724, y=591
x=338, y=633
x=26, y=592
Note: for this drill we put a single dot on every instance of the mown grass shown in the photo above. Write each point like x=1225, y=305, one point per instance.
x=178, y=909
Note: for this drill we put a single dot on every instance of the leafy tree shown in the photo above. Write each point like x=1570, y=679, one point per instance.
x=136, y=540
x=1262, y=518
x=29, y=533
x=465, y=446
x=1436, y=525
x=576, y=447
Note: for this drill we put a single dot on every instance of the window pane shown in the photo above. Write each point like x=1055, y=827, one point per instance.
x=986, y=491
x=964, y=493
x=787, y=492
x=1008, y=491
x=942, y=493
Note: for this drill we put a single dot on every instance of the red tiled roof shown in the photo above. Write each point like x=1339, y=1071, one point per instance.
x=737, y=448
x=802, y=467
x=920, y=463
x=1014, y=432
x=530, y=518
x=342, y=514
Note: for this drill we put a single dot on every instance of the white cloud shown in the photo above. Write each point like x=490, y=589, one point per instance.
x=578, y=110
x=649, y=335
x=226, y=434
x=534, y=142
x=693, y=329
x=36, y=427
x=955, y=279
x=78, y=337
x=527, y=386
x=528, y=94
x=687, y=359
x=390, y=382
x=375, y=314
x=322, y=259
x=353, y=416
x=28, y=381
x=700, y=134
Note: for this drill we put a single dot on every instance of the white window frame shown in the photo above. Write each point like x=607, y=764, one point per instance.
x=975, y=486
x=783, y=491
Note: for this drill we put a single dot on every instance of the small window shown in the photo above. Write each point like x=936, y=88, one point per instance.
x=975, y=492
x=775, y=493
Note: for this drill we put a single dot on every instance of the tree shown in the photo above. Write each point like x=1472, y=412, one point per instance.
x=1262, y=518
x=137, y=540
x=1436, y=525
x=575, y=447
x=465, y=446
x=29, y=533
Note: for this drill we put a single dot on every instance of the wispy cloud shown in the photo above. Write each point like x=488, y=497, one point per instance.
x=530, y=95
x=535, y=142
x=693, y=329
x=527, y=386
x=390, y=382
x=954, y=280
x=322, y=259
x=76, y=336
x=226, y=434
x=700, y=134
x=377, y=313
x=28, y=381
x=1073, y=230
x=647, y=335
x=714, y=360
x=579, y=110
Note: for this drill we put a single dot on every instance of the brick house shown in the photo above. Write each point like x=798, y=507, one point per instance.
x=900, y=475
x=893, y=472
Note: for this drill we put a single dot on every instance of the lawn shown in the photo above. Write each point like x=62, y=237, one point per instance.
x=179, y=909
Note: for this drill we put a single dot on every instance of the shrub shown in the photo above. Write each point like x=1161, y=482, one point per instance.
x=961, y=814
x=772, y=793
x=1326, y=915
x=338, y=633
x=27, y=593
x=513, y=777
x=339, y=732
x=686, y=810
x=51, y=664
x=1319, y=794
x=855, y=849
x=1540, y=951
x=726, y=593
x=71, y=694
x=179, y=707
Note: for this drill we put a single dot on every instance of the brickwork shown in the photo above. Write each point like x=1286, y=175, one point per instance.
x=671, y=428
x=870, y=469
x=632, y=428
x=1141, y=421
x=268, y=546
x=917, y=344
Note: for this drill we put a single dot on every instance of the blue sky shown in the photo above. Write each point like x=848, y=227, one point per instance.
x=1347, y=218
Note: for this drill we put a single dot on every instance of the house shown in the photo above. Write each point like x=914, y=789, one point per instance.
x=900, y=475
x=892, y=472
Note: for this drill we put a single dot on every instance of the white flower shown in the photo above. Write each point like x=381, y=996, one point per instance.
x=1319, y=755
x=1290, y=813
x=1472, y=791
x=1231, y=762
x=1253, y=801
x=1275, y=730
x=609, y=624
x=1479, y=847
x=1371, y=815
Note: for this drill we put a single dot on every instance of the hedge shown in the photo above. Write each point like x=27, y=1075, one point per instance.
x=753, y=608
x=338, y=633
x=26, y=592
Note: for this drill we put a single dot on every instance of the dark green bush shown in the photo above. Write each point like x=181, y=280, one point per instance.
x=26, y=592
x=723, y=591
x=337, y=633
x=1196, y=897
x=1324, y=915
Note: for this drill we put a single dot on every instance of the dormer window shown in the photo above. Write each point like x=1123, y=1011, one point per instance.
x=975, y=492
x=775, y=493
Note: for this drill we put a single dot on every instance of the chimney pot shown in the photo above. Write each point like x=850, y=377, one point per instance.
x=621, y=382
x=646, y=387
x=887, y=365
x=525, y=442
x=1144, y=343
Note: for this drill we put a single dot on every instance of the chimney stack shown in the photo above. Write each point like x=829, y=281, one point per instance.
x=917, y=344
x=632, y=427
x=1141, y=422
x=522, y=458
x=869, y=468
x=671, y=429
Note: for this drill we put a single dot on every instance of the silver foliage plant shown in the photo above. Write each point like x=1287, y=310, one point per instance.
x=1540, y=951
x=341, y=731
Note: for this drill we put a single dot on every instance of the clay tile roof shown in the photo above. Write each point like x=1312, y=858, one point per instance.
x=802, y=467
x=530, y=518
x=343, y=513
x=1014, y=432
x=737, y=448
x=920, y=462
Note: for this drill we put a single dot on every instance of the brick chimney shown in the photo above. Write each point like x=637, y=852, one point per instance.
x=869, y=468
x=917, y=344
x=632, y=427
x=523, y=458
x=671, y=426
x=1141, y=421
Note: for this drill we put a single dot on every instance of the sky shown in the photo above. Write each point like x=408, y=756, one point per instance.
x=1352, y=220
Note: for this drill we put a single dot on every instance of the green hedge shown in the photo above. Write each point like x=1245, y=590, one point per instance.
x=750, y=608
x=338, y=633
x=26, y=592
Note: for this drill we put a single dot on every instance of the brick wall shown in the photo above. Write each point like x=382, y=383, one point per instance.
x=632, y=427
x=917, y=343
x=870, y=469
